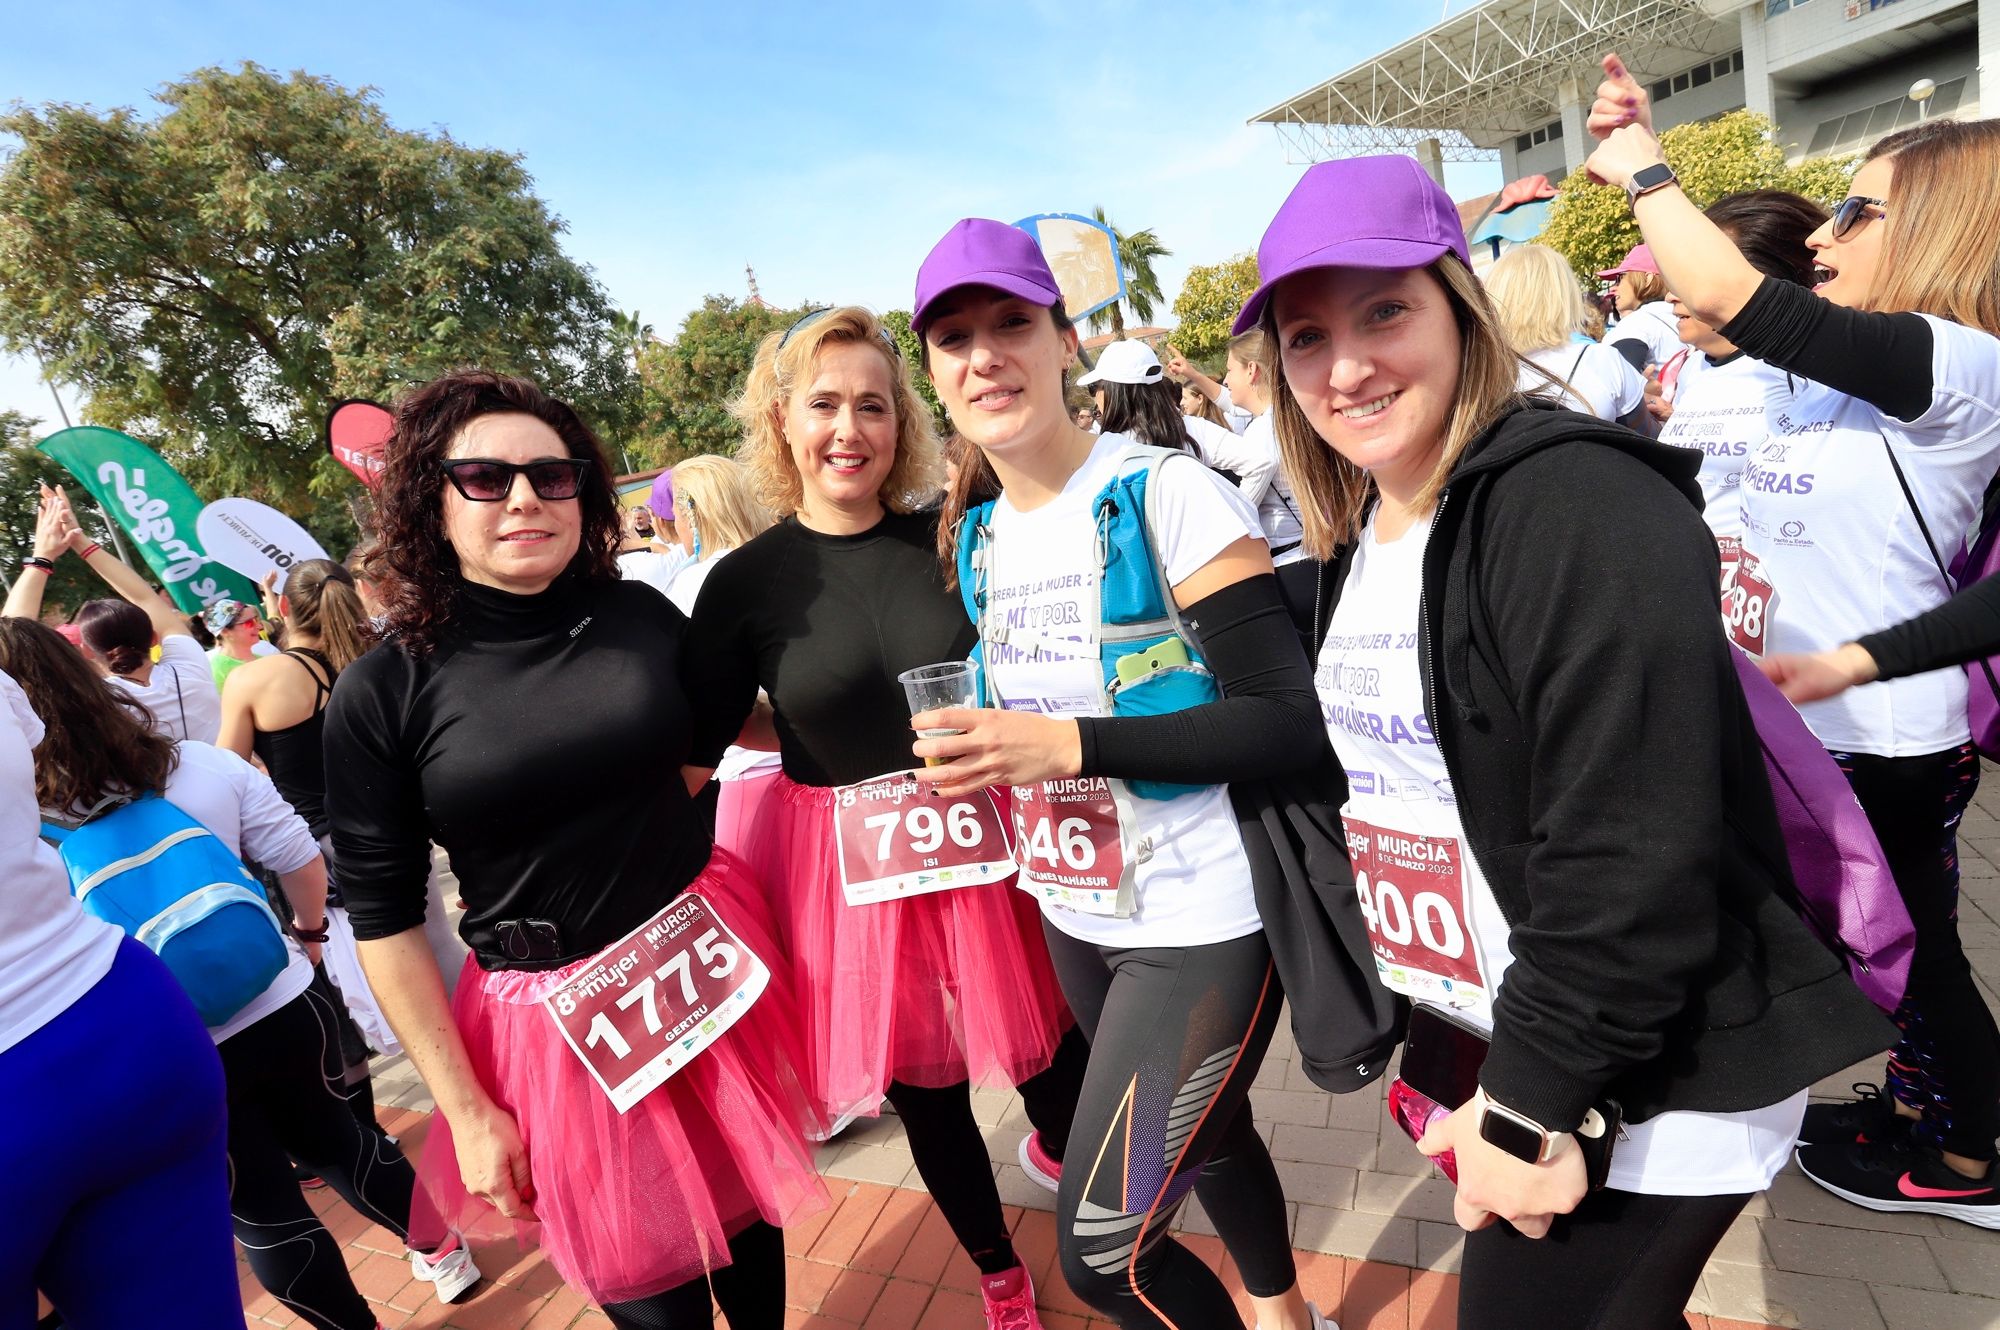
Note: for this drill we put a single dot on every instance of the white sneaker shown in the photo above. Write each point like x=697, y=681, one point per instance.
x=1320, y=1320
x=450, y=1268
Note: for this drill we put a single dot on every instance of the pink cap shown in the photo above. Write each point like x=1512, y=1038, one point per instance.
x=1638, y=259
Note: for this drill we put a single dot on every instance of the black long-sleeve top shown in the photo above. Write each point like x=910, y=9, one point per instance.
x=1883, y=359
x=1963, y=629
x=540, y=745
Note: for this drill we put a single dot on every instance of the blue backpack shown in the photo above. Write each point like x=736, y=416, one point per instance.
x=1136, y=609
x=165, y=879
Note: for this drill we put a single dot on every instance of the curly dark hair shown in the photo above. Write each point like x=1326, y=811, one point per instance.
x=100, y=740
x=412, y=563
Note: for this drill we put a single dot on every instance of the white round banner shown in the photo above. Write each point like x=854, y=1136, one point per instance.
x=254, y=538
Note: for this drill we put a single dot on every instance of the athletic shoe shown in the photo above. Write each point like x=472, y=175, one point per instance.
x=837, y=1126
x=1903, y=1176
x=1010, y=1300
x=450, y=1267
x=1042, y=1168
x=1320, y=1320
x=1871, y=1119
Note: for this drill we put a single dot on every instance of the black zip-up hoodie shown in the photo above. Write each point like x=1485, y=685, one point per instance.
x=1610, y=783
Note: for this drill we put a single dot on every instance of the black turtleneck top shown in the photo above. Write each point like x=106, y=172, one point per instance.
x=539, y=744
x=824, y=624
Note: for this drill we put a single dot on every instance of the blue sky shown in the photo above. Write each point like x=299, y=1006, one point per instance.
x=828, y=145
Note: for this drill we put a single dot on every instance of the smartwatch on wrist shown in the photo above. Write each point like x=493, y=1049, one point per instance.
x=1645, y=181
x=1515, y=1133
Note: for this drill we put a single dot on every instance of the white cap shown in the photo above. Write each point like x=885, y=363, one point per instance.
x=1124, y=362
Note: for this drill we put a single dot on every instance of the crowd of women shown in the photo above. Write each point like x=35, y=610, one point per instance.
x=1416, y=708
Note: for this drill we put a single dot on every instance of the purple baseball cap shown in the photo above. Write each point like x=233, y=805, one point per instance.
x=661, y=500
x=1359, y=212
x=978, y=252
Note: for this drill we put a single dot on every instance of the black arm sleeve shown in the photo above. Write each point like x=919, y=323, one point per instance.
x=1636, y=352
x=1963, y=629
x=1883, y=359
x=1266, y=722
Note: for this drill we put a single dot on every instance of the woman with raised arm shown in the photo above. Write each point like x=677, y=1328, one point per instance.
x=617, y=1061
x=1854, y=505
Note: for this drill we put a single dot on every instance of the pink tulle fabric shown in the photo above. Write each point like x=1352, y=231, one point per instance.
x=630, y=1205
x=929, y=990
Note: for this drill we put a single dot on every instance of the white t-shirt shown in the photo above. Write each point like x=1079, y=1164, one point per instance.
x=51, y=952
x=1436, y=929
x=1239, y=417
x=1654, y=324
x=1193, y=881
x=655, y=569
x=181, y=691
x=1277, y=509
x=1719, y=412
x=737, y=763
x=1224, y=448
x=239, y=804
x=1606, y=385
x=1844, y=555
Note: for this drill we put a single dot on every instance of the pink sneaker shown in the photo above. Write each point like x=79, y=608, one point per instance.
x=1042, y=1168
x=1010, y=1300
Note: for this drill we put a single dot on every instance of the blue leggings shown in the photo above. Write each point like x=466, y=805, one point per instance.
x=113, y=1176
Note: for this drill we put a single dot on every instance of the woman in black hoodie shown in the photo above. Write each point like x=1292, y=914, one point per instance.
x=1556, y=810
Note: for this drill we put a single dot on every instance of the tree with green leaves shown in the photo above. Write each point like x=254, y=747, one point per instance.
x=1207, y=305
x=211, y=280
x=1136, y=253
x=1591, y=225
x=897, y=321
x=690, y=381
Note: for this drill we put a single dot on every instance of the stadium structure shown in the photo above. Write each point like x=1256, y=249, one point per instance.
x=1512, y=79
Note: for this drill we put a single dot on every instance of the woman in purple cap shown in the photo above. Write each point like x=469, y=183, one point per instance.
x=1556, y=808
x=1170, y=974
x=1853, y=507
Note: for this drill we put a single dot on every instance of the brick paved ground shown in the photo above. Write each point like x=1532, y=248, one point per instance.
x=1371, y=1220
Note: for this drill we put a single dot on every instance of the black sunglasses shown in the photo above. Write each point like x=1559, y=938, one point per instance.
x=887, y=340
x=1853, y=211
x=488, y=480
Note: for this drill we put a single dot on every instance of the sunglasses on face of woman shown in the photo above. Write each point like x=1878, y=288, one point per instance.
x=1853, y=211
x=489, y=480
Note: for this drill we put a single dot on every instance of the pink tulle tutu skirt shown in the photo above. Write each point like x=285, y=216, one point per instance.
x=928, y=990
x=630, y=1205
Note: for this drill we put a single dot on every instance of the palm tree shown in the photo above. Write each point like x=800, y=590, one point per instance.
x=1136, y=253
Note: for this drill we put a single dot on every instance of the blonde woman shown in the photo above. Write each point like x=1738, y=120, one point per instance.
x=1863, y=491
x=913, y=996
x=1578, y=787
x=715, y=510
x=1542, y=312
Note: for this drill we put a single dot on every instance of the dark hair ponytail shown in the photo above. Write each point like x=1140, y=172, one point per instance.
x=117, y=632
x=1149, y=412
x=1770, y=227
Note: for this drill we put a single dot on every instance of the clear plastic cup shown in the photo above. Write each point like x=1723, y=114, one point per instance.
x=952, y=683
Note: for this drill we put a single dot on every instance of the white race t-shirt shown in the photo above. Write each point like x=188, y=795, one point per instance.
x=1239, y=417
x=737, y=763
x=51, y=952
x=1277, y=509
x=1606, y=385
x=1844, y=555
x=181, y=691
x=1719, y=412
x=1226, y=450
x=1654, y=324
x=655, y=569
x=1193, y=881
x=1436, y=928
x=239, y=804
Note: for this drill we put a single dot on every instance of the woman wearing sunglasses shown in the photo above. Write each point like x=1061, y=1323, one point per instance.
x=1862, y=493
x=515, y=714
x=913, y=997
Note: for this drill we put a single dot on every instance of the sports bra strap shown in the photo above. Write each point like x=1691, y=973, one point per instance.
x=322, y=687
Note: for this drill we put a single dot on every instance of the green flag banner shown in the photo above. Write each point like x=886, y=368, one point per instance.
x=156, y=508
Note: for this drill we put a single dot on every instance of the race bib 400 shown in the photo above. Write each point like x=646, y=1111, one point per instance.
x=650, y=1003
x=1412, y=890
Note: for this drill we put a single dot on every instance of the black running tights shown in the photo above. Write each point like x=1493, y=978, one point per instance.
x=750, y=1290
x=950, y=1151
x=287, y=1101
x=1176, y=1037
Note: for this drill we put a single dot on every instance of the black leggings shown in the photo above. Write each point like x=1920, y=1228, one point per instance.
x=1947, y=1063
x=950, y=1151
x=286, y=1102
x=1619, y=1261
x=750, y=1290
x=1176, y=1037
